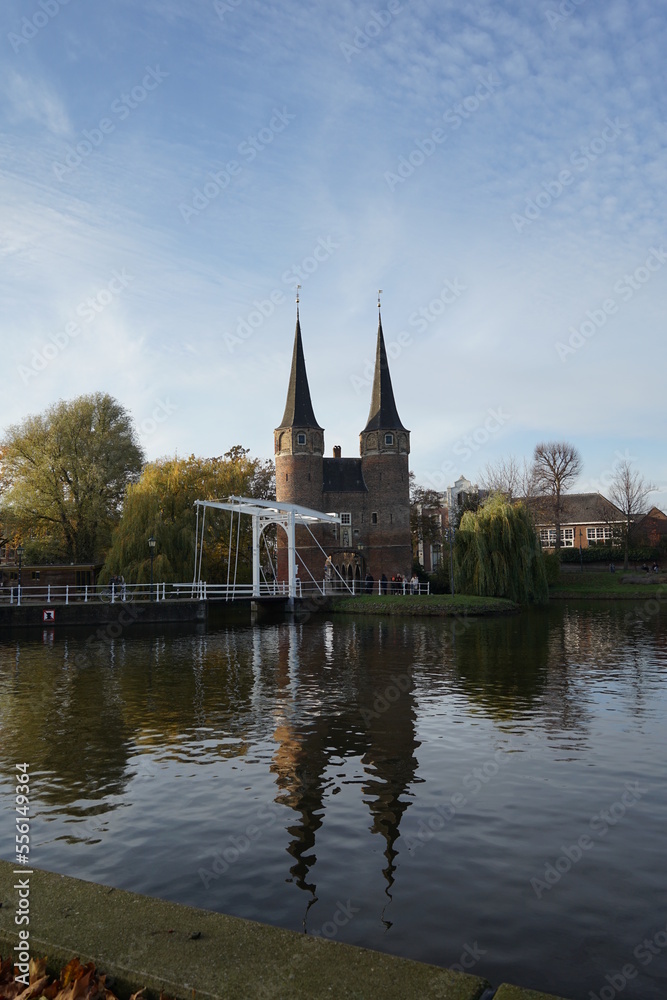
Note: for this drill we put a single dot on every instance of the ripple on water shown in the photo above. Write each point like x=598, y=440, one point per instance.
x=277, y=772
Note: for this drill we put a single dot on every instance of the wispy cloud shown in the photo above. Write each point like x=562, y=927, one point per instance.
x=324, y=177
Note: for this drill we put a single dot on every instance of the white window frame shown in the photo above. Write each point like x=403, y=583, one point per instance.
x=388, y=439
x=301, y=439
x=567, y=538
x=346, y=520
x=599, y=535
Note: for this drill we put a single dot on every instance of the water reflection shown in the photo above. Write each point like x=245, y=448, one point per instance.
x=348, y=732
x=354, y=711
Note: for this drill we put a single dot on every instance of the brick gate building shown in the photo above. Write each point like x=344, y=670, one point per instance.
x=371, y=493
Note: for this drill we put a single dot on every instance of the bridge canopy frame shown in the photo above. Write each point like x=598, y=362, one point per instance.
x=263, y=514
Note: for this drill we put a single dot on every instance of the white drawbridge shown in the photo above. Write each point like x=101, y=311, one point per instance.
x=263, y=514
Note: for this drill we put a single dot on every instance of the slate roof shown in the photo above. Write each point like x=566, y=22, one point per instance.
x=578, y=508
x=343, y=475
x=298, y=408
x=383, y=414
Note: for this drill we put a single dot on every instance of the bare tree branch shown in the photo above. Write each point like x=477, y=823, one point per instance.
x=629, y=491
x=556, y=465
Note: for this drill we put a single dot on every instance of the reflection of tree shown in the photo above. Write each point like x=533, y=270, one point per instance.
x=619, y=641
x=174, y=685
x=67, y=724
x=488, y=668
x=79, y=727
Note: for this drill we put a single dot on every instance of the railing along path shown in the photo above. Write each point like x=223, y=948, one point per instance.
x=130, y=592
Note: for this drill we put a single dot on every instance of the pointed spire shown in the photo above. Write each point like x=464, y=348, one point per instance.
x=383, y=413
x=298, y=408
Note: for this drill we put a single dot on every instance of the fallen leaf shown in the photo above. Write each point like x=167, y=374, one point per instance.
x=34, y=989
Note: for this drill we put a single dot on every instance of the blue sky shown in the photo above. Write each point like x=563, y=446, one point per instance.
x=169, y=166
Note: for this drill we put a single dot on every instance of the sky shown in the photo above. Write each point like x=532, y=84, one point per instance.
x=172, y=169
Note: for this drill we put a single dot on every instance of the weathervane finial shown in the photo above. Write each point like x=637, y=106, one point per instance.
x=379, y=294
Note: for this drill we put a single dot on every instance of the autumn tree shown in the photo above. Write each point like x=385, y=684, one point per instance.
x=497, y=554
x=556, y=465
x=161, y=504
x=629, y=491
x=63, y=476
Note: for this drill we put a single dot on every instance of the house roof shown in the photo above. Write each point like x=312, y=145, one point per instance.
x=578, y=508
x=298, y=408
x=383, y=414
x=655, y=514
x=343, y=475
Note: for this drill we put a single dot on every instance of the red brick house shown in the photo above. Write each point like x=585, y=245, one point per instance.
x=50, y=574
x=371, y=493
x=651, y=529
x=587, y=519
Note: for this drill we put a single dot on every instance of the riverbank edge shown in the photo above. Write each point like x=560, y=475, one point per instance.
x=605, y=595
x=188, y=952
x=431, y=605
x=118, y=615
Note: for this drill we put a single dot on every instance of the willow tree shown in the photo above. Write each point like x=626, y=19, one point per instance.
x=161, y=505
x=497, y=554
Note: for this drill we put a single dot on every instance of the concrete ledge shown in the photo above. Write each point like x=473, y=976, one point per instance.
x=185, y=951
x=506, y=992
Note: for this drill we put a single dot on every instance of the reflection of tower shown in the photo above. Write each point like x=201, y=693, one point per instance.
x=390, y=760
x=368, y=715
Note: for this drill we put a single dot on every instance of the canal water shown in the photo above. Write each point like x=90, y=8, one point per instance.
x=487, y=794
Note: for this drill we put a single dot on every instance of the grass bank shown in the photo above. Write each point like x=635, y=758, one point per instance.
x=608, y=586
x=442, y=605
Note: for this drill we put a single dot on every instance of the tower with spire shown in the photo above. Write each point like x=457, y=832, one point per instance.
x=370, y=492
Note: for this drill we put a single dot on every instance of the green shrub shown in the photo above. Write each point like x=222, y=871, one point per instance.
x=608, y=553
x=552, y=567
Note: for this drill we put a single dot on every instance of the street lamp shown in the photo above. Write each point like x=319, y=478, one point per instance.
x=151, y=545
x=19, y=553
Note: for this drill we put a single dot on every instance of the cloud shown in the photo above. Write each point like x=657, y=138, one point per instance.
x=33, y=100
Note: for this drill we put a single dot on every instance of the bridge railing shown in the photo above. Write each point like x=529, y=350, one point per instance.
x=111, y=593
x=114, y=593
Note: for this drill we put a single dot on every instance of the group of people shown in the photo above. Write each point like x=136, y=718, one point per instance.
x=654, y=568
x=396, y=583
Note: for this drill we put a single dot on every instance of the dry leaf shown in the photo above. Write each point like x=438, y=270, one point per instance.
x=76, y=982
x=34, y=989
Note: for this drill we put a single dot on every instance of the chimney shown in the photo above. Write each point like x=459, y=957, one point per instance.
x=337, y=450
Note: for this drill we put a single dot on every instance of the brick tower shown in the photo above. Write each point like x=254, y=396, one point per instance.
x=371, y=493
x=384, y=445
x=299, y=449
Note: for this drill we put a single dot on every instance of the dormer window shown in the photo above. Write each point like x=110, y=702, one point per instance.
x=389, y=439
x=301, y=439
